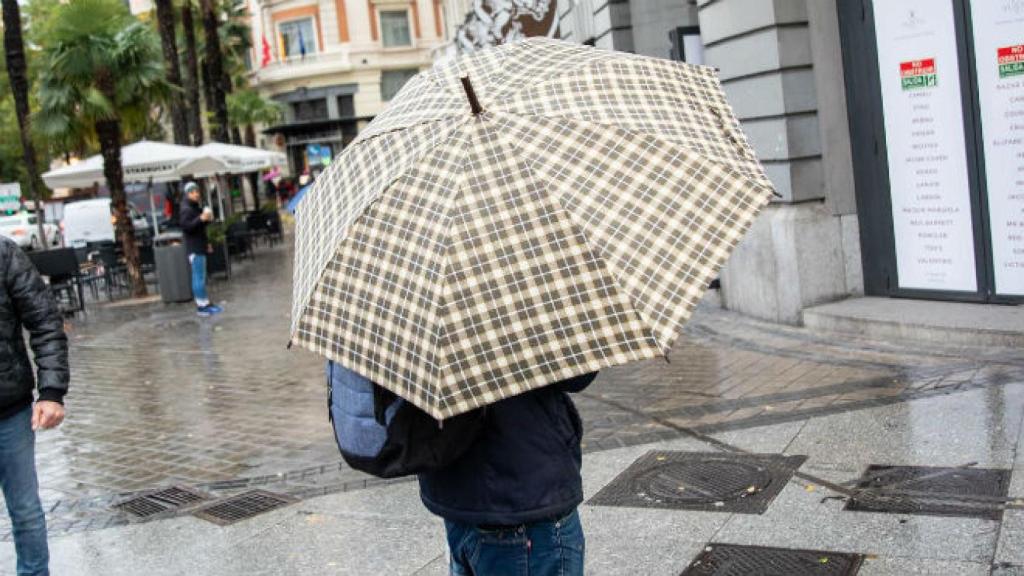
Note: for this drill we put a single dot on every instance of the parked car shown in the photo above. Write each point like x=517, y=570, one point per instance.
x=93, y=221
x=23, y=228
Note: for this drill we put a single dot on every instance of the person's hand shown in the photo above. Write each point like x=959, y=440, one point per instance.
x=47, y=414
x=209, y=248
x=206, y=216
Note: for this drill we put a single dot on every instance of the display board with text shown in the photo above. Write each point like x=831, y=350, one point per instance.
x=926, y=146
x=998, y=27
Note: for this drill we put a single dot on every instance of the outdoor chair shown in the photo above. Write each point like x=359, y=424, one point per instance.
x=115, y=274
x=240, y=239
x=147, y=261
x=257, y=224
x=61, y=268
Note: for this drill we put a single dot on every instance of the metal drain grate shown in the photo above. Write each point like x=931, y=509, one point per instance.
x=161, y=501
x=734, y=560
x=971, y=492
x=720, y=482
x=243, y=506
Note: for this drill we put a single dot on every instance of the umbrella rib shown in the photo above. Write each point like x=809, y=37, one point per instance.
x=300, y=310
x=664, y=144
x=662, y=141
x=590, y=246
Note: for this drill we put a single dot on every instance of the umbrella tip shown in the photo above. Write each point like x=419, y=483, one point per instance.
x=471, y=95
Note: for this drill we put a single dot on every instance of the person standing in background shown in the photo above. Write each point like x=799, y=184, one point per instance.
x=194, y=220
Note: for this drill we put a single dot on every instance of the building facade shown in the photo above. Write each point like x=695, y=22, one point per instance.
x=334, y=65
x=894, y=131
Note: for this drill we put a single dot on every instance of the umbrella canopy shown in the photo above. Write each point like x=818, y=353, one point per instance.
x=219, y=158
x=141, y=161
x=560, y=212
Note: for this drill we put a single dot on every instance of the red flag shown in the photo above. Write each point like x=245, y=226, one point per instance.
x=266, y=53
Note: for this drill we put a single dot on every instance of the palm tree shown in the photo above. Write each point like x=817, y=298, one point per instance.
x=247, y=108
x=168, y=41
x=215, y=68
x=14, y=50
x=103, y=68
x=195, y=111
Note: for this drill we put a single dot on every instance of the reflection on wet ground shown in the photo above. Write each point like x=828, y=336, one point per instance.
x=160, y=396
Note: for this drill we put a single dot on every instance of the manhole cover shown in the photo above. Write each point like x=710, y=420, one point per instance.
x=734, y=560
x=972, y=492
x=160, y=501
x=701, y=481
x=242, y=506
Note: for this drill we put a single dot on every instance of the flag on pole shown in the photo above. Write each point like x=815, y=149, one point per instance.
x=266, y=53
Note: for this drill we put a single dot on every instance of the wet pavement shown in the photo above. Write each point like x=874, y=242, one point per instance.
x=161, y=397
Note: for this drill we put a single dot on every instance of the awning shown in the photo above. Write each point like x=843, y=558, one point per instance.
x=314, y=125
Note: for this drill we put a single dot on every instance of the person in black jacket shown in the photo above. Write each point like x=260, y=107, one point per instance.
x=194, y=220
x=26, y=304
x=509, y=503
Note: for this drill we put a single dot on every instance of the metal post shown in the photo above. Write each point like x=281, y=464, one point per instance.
x=152, y=207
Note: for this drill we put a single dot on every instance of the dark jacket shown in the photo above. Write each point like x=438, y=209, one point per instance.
x=192, y=227
x=26, y=303
x=524, y=466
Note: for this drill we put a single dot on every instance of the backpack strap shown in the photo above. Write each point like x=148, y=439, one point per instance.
x=382, y=399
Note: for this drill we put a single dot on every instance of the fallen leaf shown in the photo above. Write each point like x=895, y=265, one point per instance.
x=810, y=488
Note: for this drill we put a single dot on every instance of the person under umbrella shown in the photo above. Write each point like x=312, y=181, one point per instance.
x=515, y=221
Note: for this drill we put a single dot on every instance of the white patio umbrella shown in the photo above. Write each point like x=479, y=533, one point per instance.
x=219, y=158
x=143, y=161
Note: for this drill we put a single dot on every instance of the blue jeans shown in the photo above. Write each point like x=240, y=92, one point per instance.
x=198, y=262
x=21, y=493
x=551, y=548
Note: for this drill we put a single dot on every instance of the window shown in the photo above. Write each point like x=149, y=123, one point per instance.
x=346, y=106
x=391, y=81
x=307, y=110
x=394, y=26
x=298, y=37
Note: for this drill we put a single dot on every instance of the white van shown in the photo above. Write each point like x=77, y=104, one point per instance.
x=93, y=221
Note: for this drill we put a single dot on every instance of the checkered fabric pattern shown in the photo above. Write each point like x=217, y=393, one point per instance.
x=574, y=225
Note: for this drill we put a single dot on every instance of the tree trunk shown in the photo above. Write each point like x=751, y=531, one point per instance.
x=195, y=122
x=14, y=50
x=215, y=65
x=179, y=115
x=109, y=135
x=254, y=177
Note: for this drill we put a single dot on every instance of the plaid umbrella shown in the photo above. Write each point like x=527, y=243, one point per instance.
x=520, y=216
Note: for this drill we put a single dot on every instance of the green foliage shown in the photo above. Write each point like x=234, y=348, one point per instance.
x=100, y=64
x=217, y=232
x=12, y=165
x=247, y=107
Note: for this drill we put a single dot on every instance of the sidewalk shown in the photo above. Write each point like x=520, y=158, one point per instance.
x=160, y=398
x=385, y=530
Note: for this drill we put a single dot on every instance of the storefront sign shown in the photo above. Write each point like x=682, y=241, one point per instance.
x=930, y=188
x=999, y=53
x=10, y=198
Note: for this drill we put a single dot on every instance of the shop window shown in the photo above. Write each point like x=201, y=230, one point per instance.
x=346, y=106
x=298, y=37
x=308, y=110
x=391, y=81
x=394, y=26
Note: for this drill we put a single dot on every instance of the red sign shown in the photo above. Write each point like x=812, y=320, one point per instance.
x=917, y=67
x=1011, y=54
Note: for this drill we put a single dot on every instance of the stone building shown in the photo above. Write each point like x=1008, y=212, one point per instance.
x=334, y=65
x=893, y=130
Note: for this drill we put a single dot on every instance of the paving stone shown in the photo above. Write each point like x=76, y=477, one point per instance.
x=159, y=396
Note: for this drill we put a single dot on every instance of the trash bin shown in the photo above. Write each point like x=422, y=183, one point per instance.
x=172, y=269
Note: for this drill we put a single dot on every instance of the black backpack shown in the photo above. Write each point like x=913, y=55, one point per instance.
x=381, y=434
